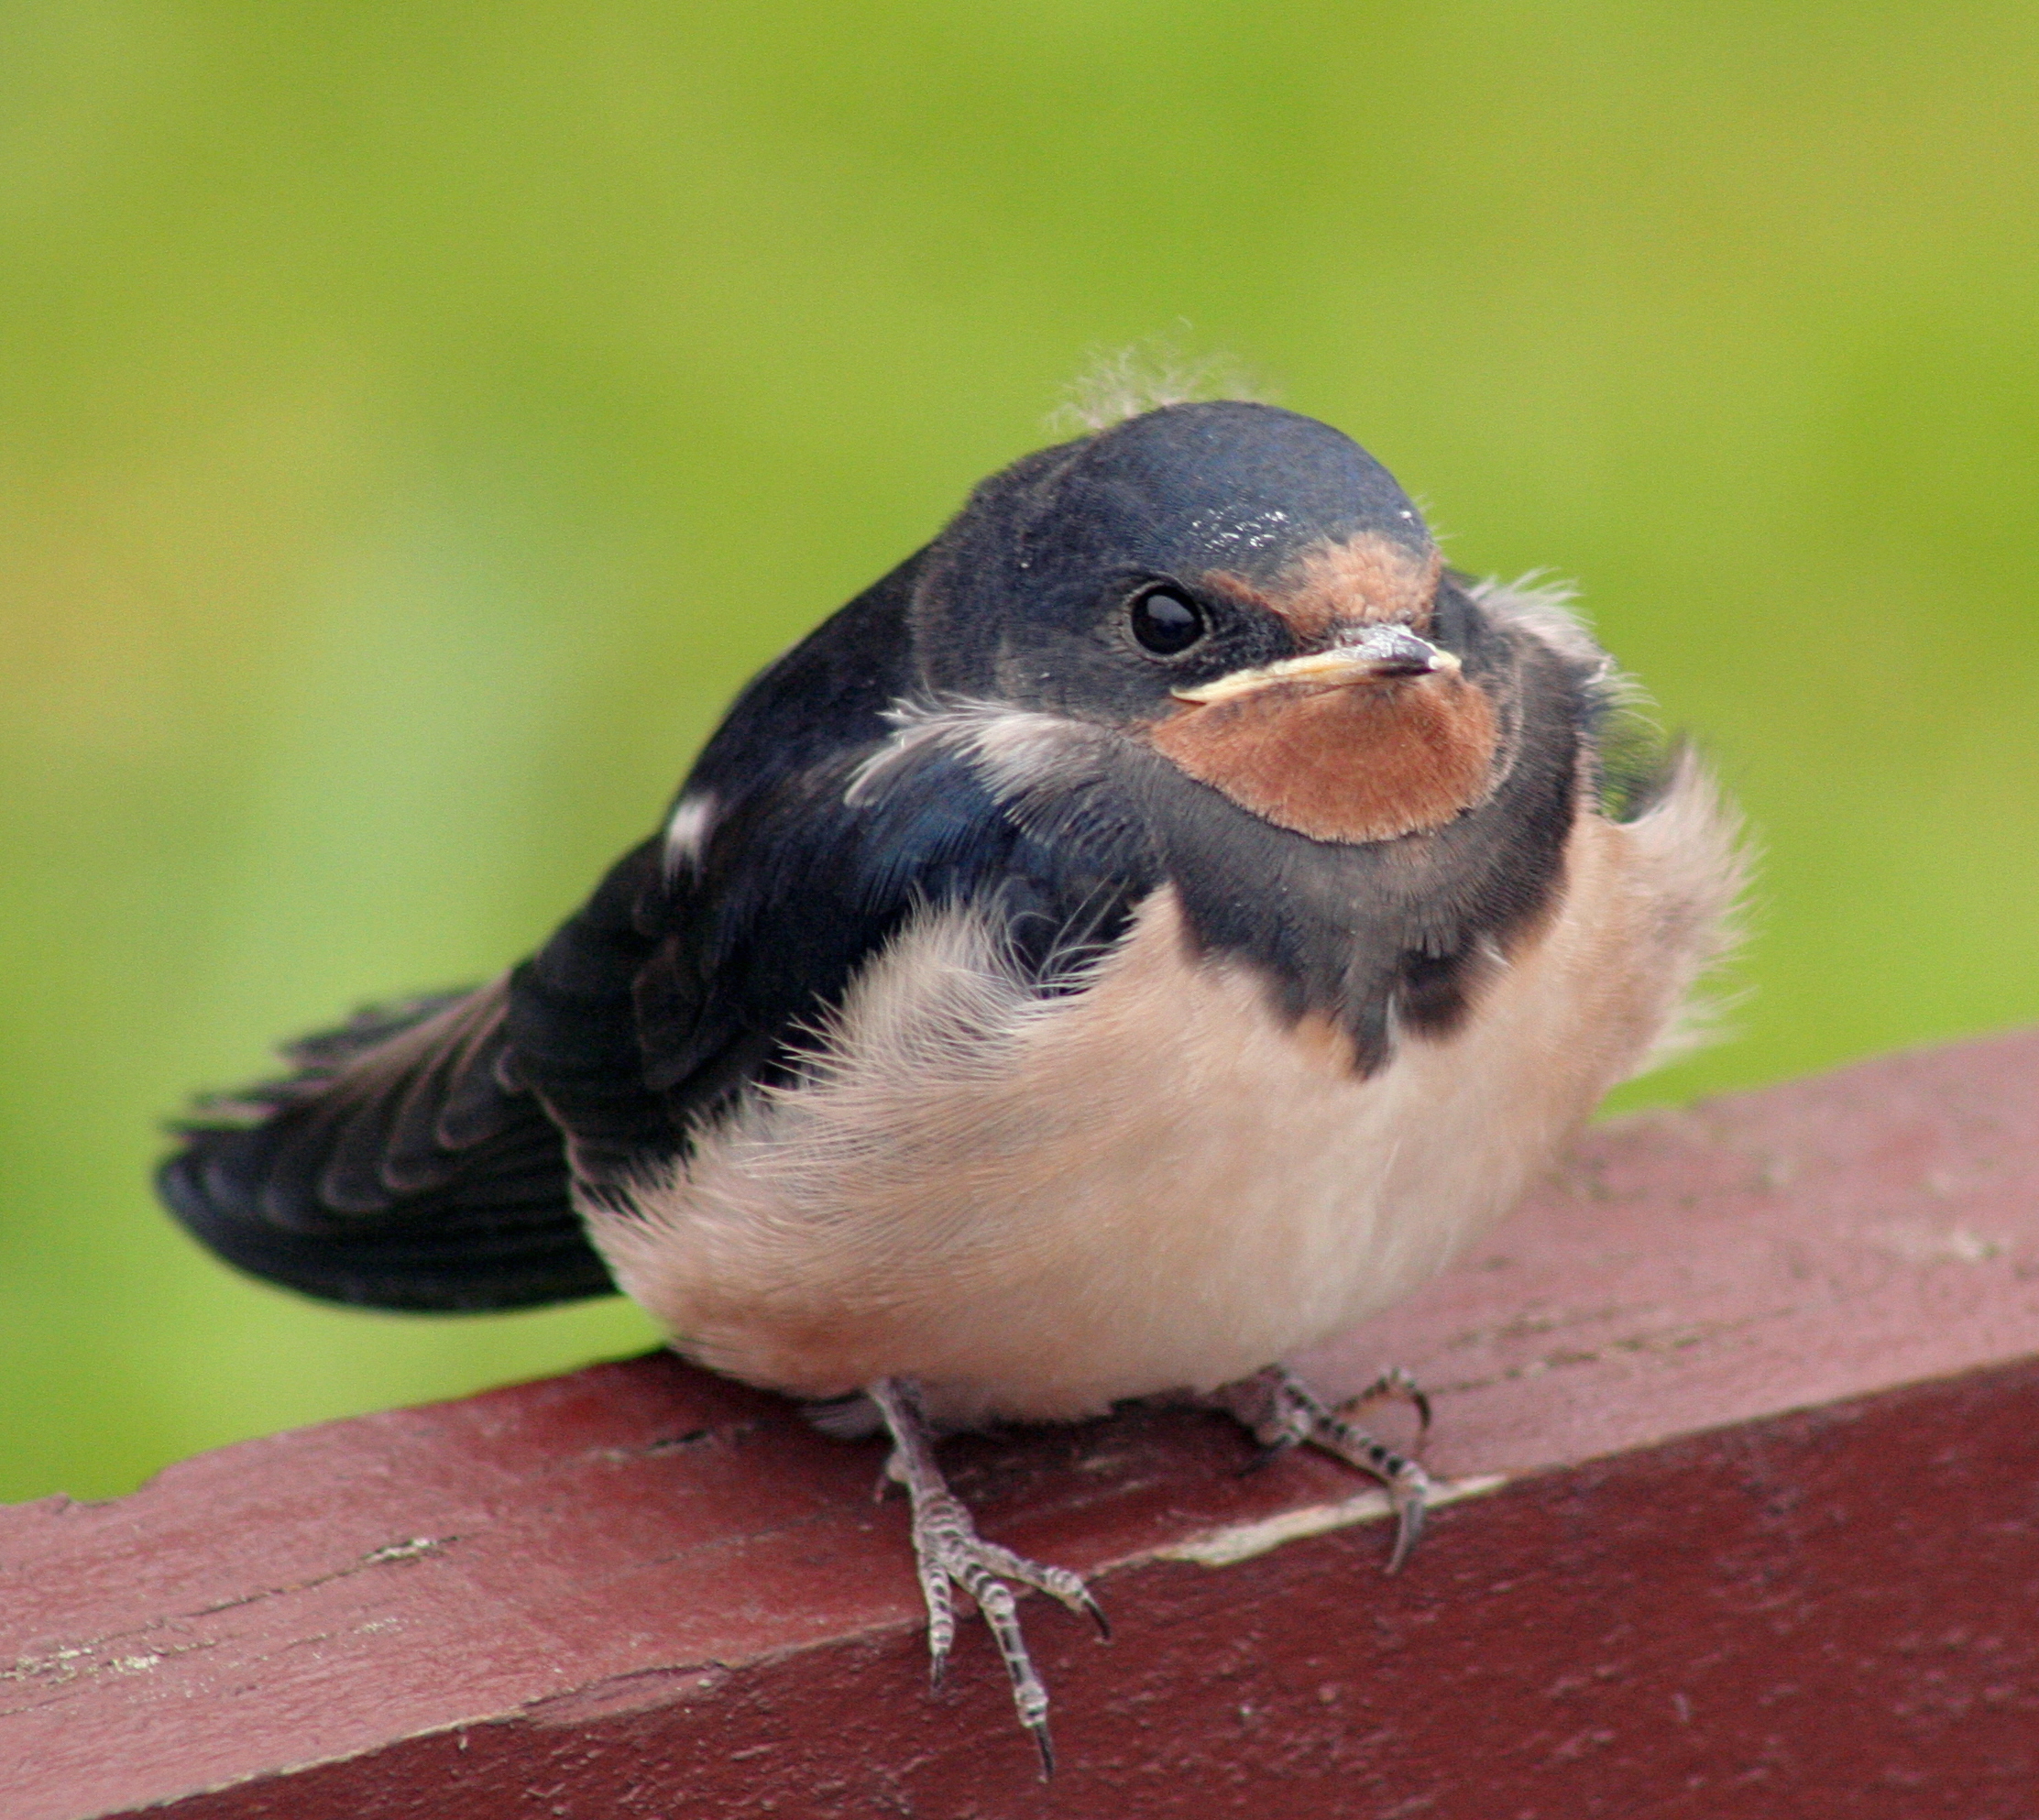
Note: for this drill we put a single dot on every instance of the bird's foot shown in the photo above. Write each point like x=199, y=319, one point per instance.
x=951, y=1553
x=1281, y=1410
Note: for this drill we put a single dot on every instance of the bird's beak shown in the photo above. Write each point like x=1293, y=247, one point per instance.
x=1377, y=654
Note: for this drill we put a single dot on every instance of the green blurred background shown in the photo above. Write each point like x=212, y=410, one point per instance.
x=418, y=420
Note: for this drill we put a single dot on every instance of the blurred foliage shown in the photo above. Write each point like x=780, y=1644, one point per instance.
x=418, y=419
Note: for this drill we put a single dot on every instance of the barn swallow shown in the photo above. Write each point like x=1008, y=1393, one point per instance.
x=1152, y=928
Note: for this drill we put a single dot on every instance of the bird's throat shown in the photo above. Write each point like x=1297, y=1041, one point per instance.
x=1349, y=764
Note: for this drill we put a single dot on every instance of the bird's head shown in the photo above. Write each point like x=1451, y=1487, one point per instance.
x=1244, y=589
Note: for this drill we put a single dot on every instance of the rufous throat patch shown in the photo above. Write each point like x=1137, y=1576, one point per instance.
x=1348, y=763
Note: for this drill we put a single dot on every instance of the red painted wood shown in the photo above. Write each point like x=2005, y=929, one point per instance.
x=638, y=1591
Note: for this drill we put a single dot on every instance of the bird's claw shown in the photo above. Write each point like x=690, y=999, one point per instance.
x=1282, y=1411
x=949, y=1552
x=1395, y=1386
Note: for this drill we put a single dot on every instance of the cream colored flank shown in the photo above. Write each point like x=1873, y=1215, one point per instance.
x=1036, y=1207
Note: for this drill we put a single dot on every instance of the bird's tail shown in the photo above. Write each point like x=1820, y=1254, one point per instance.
x=397, y=1163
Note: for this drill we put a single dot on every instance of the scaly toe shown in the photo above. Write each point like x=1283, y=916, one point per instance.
x=1280, y=1411
x=949, y=1552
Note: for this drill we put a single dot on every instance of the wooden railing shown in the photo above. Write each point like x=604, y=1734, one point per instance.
x=1740, y=1420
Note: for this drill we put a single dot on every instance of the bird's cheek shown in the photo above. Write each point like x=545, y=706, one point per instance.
x=1352, y=763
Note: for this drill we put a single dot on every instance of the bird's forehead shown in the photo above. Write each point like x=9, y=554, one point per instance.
x=1367, y=579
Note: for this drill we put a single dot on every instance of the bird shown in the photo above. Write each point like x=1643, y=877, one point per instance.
x=1155, y=926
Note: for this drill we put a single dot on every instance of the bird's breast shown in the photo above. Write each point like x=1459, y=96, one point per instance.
x=1038, y=1206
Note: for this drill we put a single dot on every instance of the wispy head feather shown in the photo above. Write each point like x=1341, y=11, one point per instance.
x=1119, y=383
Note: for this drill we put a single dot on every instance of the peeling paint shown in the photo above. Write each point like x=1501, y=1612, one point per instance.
x=408, y=1550
x=1243, y=1541
x=1917, y=1242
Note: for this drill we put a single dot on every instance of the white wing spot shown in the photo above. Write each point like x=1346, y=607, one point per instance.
x=687, y=832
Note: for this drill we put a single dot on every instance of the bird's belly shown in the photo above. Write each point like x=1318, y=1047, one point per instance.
x=1038, y=1207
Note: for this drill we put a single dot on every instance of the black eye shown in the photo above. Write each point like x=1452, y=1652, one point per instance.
x=1165, y=622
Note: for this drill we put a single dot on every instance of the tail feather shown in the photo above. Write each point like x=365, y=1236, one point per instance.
x=395, y=1165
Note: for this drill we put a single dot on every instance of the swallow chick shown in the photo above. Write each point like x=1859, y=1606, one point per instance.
x=1154, y=928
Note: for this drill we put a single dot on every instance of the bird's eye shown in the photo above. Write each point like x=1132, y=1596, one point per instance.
x=1165, y=622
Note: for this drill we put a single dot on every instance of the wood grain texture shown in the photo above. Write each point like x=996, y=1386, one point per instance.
x=1756, y=1377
